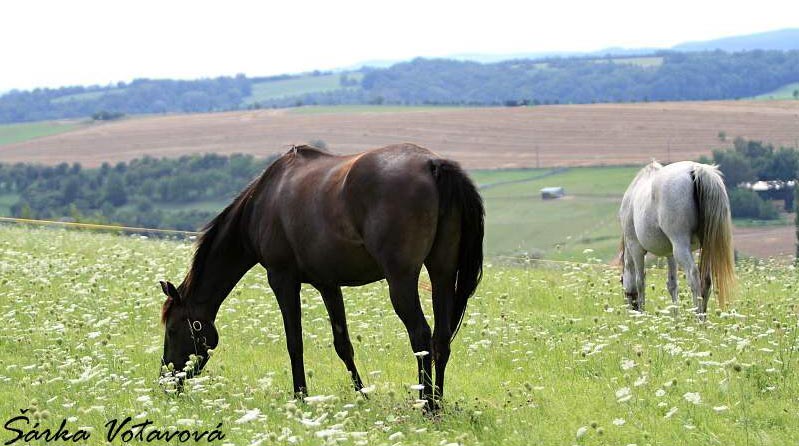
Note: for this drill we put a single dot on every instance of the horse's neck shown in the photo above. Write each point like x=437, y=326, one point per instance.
x=222, y=270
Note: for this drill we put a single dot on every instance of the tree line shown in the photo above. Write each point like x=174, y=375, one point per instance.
x=673, y=76
x=148, y=192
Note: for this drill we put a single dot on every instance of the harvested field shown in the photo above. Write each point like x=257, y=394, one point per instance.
x=774, y=241
x=562, y=135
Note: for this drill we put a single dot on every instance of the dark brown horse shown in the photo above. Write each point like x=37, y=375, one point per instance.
x=334, y=221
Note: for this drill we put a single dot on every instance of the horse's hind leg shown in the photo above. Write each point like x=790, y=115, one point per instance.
x=334, y=302
x=682, y=254
x=671, y=284
x=442, y=265
x=287, y=291
x=707, y=284
x=404, y=292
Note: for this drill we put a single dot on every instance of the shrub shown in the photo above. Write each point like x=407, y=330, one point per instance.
x=745, y=203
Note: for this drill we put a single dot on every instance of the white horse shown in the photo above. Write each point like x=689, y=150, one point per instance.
x=670, y=211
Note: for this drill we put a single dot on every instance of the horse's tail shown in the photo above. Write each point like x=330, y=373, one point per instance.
x=456, y=190
x=715, y=228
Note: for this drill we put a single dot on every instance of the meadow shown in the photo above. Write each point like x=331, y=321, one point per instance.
x=782, y=93
x=545, y=356
x=12, y=133
x=520, y=223
x=264, y=91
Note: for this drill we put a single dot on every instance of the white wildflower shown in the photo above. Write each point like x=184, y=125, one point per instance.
x=623, y=394
x=627, y=364
x=693, y=397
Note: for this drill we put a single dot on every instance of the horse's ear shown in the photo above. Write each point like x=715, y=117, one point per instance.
x=170, y=291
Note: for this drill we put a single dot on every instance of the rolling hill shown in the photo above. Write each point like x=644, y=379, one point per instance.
x=563, y=135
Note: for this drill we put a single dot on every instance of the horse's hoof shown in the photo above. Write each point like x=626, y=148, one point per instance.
x=431, y=408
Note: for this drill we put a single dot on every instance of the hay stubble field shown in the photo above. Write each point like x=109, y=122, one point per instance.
x=480, y=138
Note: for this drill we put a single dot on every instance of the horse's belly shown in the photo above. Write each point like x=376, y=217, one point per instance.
x=653, y=240
x=348, y=265
x=658, y=247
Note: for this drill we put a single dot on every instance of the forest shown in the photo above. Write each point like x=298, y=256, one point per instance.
x=661, y=76
x=179, y=193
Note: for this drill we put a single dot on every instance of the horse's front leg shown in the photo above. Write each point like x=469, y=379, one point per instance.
x=633, y=278
x=287, y=290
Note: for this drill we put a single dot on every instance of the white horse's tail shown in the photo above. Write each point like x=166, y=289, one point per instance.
x=715, y=227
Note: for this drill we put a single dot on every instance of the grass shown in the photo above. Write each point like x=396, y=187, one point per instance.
x=11, y=133
x=545, y=356
x=784, y=92
x=522, y=223
x=263, y=91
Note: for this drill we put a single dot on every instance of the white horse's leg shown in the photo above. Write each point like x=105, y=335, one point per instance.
x=707, y=284
x=671, y=284
x=682, y=254
x=634, y=275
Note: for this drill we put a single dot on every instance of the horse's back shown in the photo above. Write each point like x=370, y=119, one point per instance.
x=355, y=206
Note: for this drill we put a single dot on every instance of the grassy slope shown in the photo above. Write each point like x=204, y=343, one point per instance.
x=11, y=133
x=784, y=92
x=87, y=96
x=543, y=355
x=263, y=91
x=520, y=222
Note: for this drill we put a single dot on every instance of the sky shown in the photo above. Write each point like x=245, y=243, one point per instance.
x=57, y=43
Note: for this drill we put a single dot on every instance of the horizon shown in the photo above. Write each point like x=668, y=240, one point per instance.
x=99, y=46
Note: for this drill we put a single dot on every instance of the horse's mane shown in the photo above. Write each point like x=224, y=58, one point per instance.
x=214, y=230
x=228, y=225
x=229, y=222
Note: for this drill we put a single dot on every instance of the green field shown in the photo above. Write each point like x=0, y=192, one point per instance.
x=521, y=223
x=264, y=91
x=87, y=96
x=645, y=61
x=11, y=133
x=784, y=92
x=545, y=356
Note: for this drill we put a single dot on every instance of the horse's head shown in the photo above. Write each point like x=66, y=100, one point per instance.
x=188, y=340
